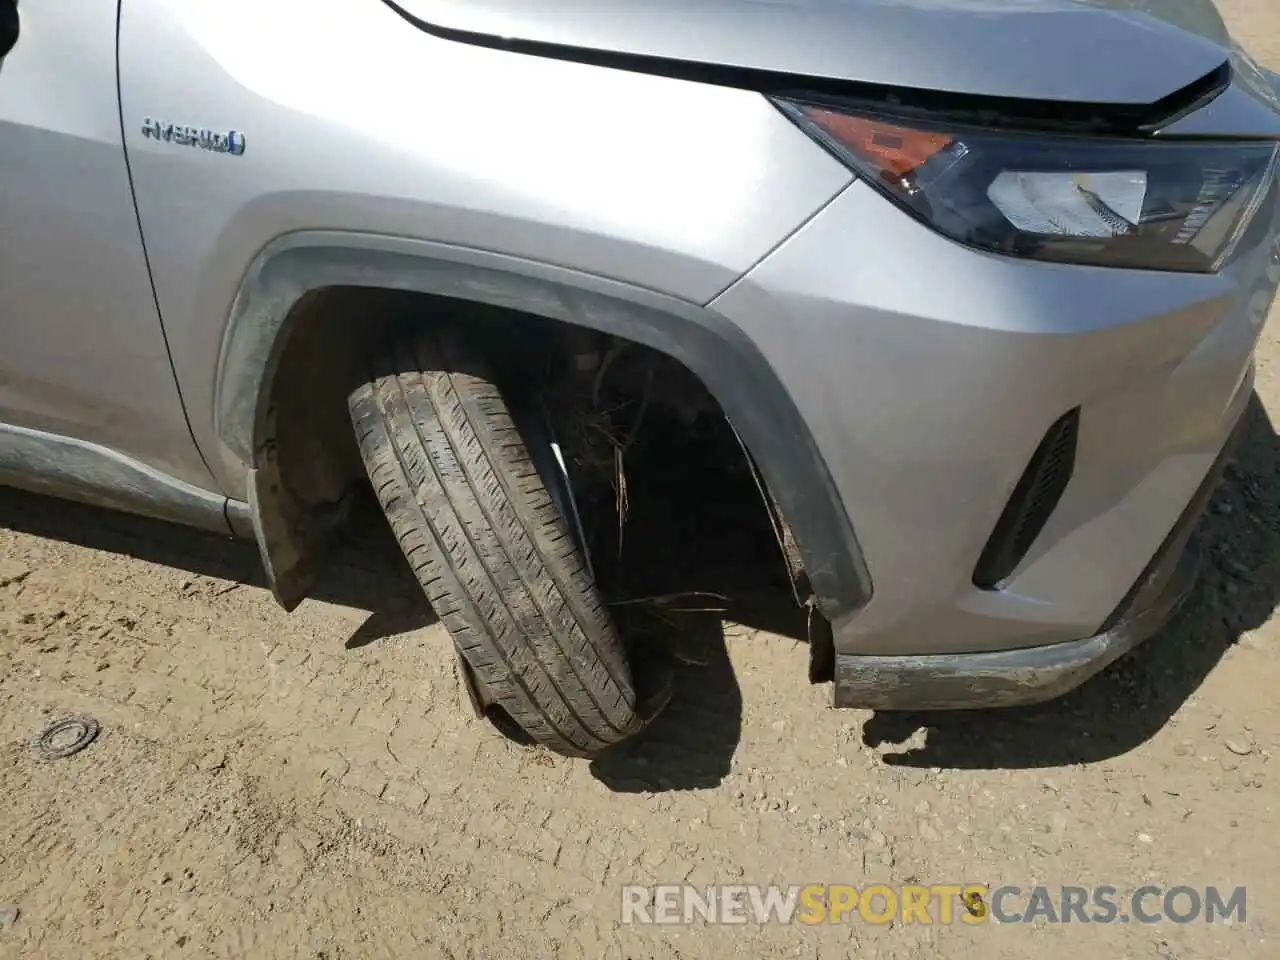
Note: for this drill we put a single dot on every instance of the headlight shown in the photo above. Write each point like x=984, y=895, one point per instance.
x=1158, y=205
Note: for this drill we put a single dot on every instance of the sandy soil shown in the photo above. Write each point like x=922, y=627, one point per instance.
x=307, y=785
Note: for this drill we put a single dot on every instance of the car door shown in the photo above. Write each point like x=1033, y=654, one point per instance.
x=82, y=351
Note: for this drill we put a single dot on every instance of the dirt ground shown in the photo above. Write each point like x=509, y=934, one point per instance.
x=308, y=785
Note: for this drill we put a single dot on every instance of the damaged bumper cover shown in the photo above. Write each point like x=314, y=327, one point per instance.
x=1009, y=678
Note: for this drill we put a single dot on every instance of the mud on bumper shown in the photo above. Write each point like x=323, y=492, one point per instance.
x=1033, y=675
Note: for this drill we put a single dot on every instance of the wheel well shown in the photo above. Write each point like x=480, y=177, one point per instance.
x=307, y=446
x=275, y=291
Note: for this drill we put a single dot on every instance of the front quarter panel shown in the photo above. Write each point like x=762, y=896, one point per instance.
x=355, y=121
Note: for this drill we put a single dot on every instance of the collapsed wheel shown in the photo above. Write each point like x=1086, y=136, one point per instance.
x=498, y=561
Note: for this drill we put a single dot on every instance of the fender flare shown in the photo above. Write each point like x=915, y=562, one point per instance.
x=729, y=364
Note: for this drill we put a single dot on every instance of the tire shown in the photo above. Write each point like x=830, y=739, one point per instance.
x=493, y=554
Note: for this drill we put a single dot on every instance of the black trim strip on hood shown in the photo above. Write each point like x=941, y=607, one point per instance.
x=1124, y=120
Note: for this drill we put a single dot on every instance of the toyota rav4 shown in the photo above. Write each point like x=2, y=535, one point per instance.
x=974, y=283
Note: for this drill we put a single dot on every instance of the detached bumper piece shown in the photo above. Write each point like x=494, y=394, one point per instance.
x=1033, y=675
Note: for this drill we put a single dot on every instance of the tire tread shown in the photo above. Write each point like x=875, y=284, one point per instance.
x=488, y=546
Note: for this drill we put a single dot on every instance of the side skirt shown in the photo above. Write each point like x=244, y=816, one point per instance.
x=60, y=466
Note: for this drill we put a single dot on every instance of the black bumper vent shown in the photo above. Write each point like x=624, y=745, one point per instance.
x=1034, y=499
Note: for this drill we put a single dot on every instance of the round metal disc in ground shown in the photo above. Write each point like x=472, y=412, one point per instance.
x=66, y=737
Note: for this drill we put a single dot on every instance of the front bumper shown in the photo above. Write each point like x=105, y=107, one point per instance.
x=1035, y=674
x=929, y=373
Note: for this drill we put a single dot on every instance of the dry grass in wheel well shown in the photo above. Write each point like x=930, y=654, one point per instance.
x=674, y=512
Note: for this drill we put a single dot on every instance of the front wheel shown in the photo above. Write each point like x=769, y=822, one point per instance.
x=494, y=555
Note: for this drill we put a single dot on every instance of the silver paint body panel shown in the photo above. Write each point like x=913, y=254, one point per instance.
x=928, y=397
x=82, y=352
x=674, y=187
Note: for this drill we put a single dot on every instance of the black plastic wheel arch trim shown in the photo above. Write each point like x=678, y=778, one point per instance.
x=728, y=363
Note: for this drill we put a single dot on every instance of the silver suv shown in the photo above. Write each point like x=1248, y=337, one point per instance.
x=976, y=283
